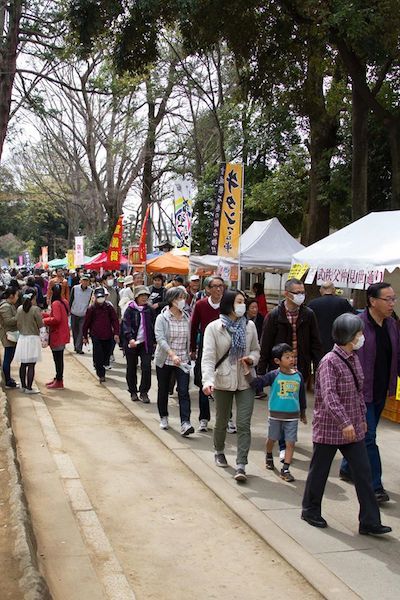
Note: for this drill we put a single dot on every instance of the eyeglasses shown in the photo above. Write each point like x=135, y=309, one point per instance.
x=216, y=286
x=389, y=300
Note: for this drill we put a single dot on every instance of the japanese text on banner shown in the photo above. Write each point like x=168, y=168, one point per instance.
x=115, y=248
x=79, y=252
x=183, y=216
x=70, y=260
x=231, y=211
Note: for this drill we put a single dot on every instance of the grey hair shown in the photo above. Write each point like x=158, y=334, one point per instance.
x=174, y=293
x=345, y=328
x=292, y=281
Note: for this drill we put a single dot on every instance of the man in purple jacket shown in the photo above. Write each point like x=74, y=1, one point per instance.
x=380, y=360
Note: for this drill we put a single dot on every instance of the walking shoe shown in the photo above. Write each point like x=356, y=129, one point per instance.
x=112, y=359
x=107, y=367
x=220, y=460
x=134, y=397
x=231, y=427
x=317, y=521
x=269, y=463
x=80, y=352
x=144, y=398
x=186, y=429
x=56, y=385
x=240, y=475
x=32, y=391
x=50, y=382
x=282, y=455
x=345, y=476
x=202, y=426
x=382, y=496
x=11, y=385
x=374, y=529
x=102, y=379
x=286, y=475
x=164, y=423
x=261, y=396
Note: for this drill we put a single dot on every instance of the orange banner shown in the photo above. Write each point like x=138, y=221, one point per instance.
x=143, y=235
x=115, y=249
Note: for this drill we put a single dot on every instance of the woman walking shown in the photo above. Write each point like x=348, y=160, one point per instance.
x=29, y=349
x=8, y=333
x=172, y=356
x=57, y=321
x=339, y=423
x=229, y=342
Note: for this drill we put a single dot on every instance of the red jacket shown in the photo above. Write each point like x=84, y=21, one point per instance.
x=57, y=322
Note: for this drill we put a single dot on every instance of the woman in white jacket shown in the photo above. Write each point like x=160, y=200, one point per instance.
x=126, y=295
x=229, y=342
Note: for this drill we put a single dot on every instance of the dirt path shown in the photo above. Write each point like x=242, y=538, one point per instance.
x=146, y=523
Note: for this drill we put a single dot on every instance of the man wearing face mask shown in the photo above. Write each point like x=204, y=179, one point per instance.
x=292, y=323
x=79, y=300
x=101, y=322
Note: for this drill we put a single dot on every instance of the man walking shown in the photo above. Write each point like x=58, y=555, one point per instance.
x=79, y=301
x=327, y=308
x=380, y=360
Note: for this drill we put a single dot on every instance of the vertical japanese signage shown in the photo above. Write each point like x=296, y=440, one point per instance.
x=79, y=251
x=115, y=248
x=226, y=225
x=27, y=259
x=183, y=216
x=133, y=255
x=143, y=235
x=70, y=260
x=44, y=256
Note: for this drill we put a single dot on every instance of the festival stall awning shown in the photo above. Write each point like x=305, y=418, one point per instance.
x=357, y=254
x=168, y=263
x=101, y=262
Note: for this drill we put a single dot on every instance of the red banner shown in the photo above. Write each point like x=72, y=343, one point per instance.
x=115, y=249
x=143, y=235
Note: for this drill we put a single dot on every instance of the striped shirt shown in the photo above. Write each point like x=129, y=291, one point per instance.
x=178, y=338
x=339, y=402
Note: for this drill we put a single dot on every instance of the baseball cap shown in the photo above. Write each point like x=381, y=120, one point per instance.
x=100, y=292
x=194, y=278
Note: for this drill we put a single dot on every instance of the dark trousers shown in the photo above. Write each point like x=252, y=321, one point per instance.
x=182, y=380
x=58, y=356
x=9, y=352
x=77, y=331
x=321, y=461
x=101, y=355
x=132, y=358
x=204, y=401
x=374, y=411
x=204, y=406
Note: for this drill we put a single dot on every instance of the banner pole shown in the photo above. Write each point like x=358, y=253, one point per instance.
x=240, y=232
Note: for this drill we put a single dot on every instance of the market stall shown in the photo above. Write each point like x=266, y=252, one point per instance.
x=168, y=263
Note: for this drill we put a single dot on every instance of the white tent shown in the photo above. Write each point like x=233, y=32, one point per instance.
x=372, y=241
x=264, y=246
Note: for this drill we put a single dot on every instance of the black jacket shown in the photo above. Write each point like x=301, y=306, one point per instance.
x=130, y=327
x=327, y=308
x=277, y=330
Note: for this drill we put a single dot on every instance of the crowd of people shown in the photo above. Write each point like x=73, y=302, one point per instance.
x=237, y=349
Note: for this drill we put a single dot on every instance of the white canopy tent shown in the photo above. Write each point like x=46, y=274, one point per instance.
x=264, y=246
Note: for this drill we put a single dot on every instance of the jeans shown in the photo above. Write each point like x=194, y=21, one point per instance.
x=77, y=331
x=182, y=381
x=132, y=359
x=9, y=352
x=321, y=461
x=101, y=355
x=204, y=406
x=223, y=411
x=374, y=411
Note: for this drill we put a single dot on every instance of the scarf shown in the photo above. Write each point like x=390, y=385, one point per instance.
x=237, y=329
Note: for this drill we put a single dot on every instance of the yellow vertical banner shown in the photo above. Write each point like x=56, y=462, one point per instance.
x=71, y=260
x=231, y=211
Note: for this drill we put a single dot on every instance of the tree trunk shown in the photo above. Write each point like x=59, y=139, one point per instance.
x=394, y=141
x=359, y=168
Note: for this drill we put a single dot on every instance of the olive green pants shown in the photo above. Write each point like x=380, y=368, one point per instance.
x=244, y=410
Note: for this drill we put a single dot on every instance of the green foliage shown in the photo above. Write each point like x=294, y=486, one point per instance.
x=97, y=242
x=11, y=246
x=203, y=211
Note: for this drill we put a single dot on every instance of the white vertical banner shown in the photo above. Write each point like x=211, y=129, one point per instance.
x=183, y=216
x=79, y=251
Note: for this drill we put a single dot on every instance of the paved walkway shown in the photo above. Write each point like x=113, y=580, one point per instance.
x=337, y=560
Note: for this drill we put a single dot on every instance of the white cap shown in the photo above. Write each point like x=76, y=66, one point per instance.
x=194, y=278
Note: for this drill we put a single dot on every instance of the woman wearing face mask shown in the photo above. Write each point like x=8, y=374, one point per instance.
x=340, y=423
x=230, y=346
x=172, y=355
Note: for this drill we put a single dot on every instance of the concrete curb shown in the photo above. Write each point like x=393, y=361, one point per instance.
x=31, y=582
x=314, y=572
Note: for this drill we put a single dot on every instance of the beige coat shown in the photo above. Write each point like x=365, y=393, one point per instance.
x=217, y=340
x=8, y=322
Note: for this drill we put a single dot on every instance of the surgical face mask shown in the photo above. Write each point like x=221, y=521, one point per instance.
x=240, y=309
x=100, y=300
x=298, y=299
x=110, y=282
x=180, y=304
x=359, y=343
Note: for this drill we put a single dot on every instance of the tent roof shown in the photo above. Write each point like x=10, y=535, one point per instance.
x=100, y=261
x=372, y=241
x=168, y=263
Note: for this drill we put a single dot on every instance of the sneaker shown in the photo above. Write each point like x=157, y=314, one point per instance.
x=112, y=359
x=11, y=385
x=261, y=396
x=231, y=427
x=186, y=429
x=102, y=379
x=282, y=455
x=144, y=398
x=345, y=476
x=80, y=352
x=382, y=496
x=164, y=423
x=32, y=391
x=240, y=475
x=202, y=426
x=286, y=475
x=269, y=463
x=107, y=367
x=220, y=460
x=55, y=385
x=134, y=397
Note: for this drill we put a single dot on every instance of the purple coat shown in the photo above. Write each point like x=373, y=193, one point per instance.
x=367, y=355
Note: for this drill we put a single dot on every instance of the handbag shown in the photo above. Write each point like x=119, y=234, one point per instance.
x=12, y=336
x=44, y=337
